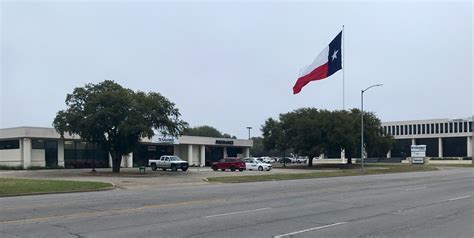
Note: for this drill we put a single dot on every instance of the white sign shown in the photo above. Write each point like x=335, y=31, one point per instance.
x=164, y=140
x=418, y=154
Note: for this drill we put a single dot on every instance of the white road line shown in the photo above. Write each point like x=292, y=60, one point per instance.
x=233, y=213
x=412, y=189
x=310, y=229
x=454, y=199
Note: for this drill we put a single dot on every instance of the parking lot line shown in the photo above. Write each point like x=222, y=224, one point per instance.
x=310, y=229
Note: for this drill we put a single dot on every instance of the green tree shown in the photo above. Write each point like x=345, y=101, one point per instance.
x=377, y=143
x=258, y=148
x=117, y=118
x=206, y=131
x=305, y=131
x=275, y=140
x=311, y=132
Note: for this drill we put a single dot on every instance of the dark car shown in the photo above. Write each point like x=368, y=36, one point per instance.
x=229, y=163
x=286, y=160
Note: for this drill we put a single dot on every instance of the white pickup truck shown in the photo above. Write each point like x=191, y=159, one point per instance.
x=165, y=162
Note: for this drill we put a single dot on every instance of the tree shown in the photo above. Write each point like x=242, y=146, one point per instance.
x=272, y=134
x=304, y=129
x=206, y=131
x=274, y=137
x=258, y=148
x=117, y=118
x=309, y=131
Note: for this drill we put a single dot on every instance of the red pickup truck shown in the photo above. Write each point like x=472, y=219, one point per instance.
x=229, y=163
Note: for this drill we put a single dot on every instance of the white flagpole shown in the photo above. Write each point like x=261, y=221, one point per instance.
x=343, y=69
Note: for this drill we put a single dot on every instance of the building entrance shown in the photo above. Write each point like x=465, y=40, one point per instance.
x=51, y=153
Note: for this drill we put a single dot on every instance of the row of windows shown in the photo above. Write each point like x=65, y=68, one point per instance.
x=429, y=128
x=9, y=144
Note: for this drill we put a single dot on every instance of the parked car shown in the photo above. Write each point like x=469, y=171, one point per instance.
x=229, y=163
x=268, y=160
x=165, y=162
x=302, y=159
x=254, y=164
x=287, y=160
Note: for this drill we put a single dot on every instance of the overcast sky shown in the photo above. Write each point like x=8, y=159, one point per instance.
x=232, y=65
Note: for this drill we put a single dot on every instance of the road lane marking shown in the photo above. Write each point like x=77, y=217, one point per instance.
x=310, y=229
x=233, y=213
x=110, y=212
x=412, y=189
x=454, y=199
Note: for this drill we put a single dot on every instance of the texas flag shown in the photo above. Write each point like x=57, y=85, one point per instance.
x=328, y=62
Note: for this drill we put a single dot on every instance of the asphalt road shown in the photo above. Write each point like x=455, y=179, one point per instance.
x=427, y=204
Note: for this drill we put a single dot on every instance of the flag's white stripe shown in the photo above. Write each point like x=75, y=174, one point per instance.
x=320, y=60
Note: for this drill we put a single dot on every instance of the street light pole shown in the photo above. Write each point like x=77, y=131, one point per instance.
x=249, y=127
x=362, y=122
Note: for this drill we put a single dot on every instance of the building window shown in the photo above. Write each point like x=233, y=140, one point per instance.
x=432, y=129
x=446, y=128
x=455, y=127
x=37, y=144
x=9, y=144
x=398, y=130
x=418, y=129
x=441, y=127
x=389, y=130
x=450, y=127
x=470, y=126
x=410, y=129
x=465, y=126
x=406, y=129
x=393, y=130
x=423, y=129
x=437, y=128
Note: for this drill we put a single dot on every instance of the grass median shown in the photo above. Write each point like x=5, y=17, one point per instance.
x=350, y=171
x=17, y=187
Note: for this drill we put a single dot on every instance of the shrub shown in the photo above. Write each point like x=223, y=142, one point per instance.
x=41, y=168
x=5, y=167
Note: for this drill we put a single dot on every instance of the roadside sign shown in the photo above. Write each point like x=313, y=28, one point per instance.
x=418, y=154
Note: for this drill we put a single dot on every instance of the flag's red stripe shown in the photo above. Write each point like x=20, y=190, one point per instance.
x=317, y=74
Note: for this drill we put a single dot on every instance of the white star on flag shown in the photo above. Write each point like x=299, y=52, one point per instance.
x=334, y=56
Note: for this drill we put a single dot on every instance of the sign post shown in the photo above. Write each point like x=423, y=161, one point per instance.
x=418, y=154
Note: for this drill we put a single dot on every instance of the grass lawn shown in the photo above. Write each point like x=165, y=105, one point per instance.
x=350, y=170
x=12, y=187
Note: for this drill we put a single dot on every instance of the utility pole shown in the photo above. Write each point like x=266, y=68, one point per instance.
x=249, y=128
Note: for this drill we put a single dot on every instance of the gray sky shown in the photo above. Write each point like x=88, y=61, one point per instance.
x=232, y=65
